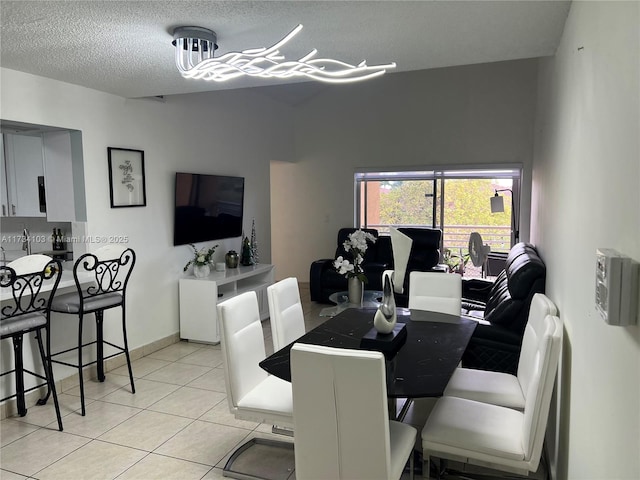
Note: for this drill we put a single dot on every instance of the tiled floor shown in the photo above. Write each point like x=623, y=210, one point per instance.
x=176, y=426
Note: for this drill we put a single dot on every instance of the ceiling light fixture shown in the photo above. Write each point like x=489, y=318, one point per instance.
x=195, y=47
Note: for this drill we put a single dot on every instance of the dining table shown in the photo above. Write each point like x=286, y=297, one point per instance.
x=421, y=367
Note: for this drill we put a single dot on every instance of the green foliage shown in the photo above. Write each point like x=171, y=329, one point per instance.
x=466, y=202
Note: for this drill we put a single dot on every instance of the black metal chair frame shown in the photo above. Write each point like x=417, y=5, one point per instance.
x=107, y=276
x=28, y=297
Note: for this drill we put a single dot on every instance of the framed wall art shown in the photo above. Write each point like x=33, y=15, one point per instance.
x=126, y=178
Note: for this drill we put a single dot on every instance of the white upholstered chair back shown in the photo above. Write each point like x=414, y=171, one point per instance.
x=540, y=380
x=285, y=311
x=242, y=342
x=534, y=331
x=340, y=413
x=435, y=292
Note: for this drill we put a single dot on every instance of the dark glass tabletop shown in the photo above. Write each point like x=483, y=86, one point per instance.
x=423, y=365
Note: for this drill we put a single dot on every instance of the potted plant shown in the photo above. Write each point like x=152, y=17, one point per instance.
x=201, y=261
x=456, y=263
x=356, y=245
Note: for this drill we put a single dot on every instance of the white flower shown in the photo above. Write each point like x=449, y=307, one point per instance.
x=356, y=245
x=343, y=266
x=200, y=258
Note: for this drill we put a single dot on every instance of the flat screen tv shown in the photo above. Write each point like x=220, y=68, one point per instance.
x=208, y=207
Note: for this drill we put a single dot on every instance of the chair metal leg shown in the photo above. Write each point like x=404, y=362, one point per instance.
x=81, y=380
x=43, y=400
x=48, y=368
x=100, y=345
x=126, y=348
x=411, y=466
x=19, y=374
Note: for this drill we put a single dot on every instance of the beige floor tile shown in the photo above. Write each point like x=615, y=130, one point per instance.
x=12, y=430
x=146, y=430
x=176, y=351
x=147, y=393
x=213, y=380
x=7, y=475
x=96, y=461
x=38, y=450
x=158, y=467
x=214, y=474
x=100, y=418
x=207, y=357
x=141, y=367
x=203, y=442
x=178, y=373
x=96, y=390
x=45, y=415
x=188, y=402
x=221, y=414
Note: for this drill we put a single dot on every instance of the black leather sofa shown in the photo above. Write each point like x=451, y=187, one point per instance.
x=503, y=309
x=424, y=256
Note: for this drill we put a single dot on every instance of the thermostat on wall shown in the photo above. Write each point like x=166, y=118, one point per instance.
x=616, y=287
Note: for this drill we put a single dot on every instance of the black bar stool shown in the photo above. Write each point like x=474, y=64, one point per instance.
x=109, y=269
x=28, y=287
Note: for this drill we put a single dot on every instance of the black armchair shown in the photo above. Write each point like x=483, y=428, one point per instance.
x=324, y=280
x=424, y=256
x=502, y=308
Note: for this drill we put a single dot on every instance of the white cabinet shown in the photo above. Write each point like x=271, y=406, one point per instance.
x=24, y=176
x=199, y=297
x=58, y=173
x=37, y=176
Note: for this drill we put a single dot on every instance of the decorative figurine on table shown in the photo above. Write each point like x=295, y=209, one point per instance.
x=246, y=258
x=385, y=318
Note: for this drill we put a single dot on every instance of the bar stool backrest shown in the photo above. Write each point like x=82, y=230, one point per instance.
x=30, y=282
x=110, y=268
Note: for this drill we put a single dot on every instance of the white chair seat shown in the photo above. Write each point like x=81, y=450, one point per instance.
x=496, y=388
x=403, y=439
x=271, y=397
x=463, y=426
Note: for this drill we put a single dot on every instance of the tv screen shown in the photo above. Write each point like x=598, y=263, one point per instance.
x=208, y=207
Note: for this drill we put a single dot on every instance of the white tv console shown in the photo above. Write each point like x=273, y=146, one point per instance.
x=199, y=297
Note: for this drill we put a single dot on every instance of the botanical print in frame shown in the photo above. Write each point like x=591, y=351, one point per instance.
x=126, y=178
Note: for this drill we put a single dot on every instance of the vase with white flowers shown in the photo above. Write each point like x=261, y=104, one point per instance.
x=201, y=261
x=356, y=245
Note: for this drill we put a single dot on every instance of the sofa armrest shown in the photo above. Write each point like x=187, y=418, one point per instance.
x=316, y=272
x=476, y=289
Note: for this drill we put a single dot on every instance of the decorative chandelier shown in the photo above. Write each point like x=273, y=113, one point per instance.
x=195, y=47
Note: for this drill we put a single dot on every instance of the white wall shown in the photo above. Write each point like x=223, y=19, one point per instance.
x=585, y=195
x=477, y=114
x=230, y=132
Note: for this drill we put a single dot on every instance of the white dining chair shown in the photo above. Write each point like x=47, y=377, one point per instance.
x=435, y=292
x=505, y=389
x=285, y=311
x=341, y=423
x=252, y=394
x=494, y=436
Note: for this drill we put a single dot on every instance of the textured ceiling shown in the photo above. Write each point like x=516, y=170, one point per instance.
x=124, y=47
